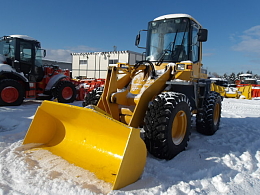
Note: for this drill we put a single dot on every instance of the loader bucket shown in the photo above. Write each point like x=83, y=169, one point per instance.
x=113, y=151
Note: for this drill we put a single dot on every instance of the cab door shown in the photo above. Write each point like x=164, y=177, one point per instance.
x=26, y=54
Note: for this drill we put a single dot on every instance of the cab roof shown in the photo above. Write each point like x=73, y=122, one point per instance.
x=170, y=16
x=23, y=37
x=20, y=37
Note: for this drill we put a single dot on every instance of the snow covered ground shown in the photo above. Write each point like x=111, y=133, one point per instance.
x=225, y=163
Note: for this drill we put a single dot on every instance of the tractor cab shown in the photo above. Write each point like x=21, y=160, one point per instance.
x=24, y=55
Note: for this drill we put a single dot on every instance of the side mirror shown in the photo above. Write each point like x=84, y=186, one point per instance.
x=44, y=53
x=137, y=39
x=202, y=35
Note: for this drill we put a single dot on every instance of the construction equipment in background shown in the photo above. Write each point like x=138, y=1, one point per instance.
x=22, y=74
x=158, y=96
x=244, y=92
x=86, y=88
x=248, y=80
x=93, y=96
x=246, y=87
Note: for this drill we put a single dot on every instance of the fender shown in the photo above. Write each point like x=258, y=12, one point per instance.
x=9, y=72
x=54, y=81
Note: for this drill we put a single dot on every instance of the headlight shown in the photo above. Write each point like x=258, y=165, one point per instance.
x=181, y=67
x=122, y=65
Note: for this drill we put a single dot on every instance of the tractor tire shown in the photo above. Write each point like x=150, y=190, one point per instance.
x=11, y=93
x=208, y=119
x=93, y=97
x=65, y=92
x=167, y=125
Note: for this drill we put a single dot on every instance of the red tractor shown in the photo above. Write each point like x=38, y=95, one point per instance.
x=89, y=90
x=22, y=74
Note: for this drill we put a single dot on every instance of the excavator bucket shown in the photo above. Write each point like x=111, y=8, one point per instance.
x=113, y=151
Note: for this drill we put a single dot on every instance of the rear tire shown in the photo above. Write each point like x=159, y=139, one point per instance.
x=167, y=125
x=93, y=97
x=11, y=93
x=207, y=120
x=65, y=92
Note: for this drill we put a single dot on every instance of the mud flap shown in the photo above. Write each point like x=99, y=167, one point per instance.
x=113, y=151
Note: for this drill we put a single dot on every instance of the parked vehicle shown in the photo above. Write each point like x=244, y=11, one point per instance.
x=22, y=74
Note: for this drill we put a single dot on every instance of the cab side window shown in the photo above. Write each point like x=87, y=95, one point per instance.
x=195, y=43
x=26, y=52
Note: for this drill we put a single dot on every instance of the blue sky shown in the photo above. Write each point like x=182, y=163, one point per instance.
x=67, y=26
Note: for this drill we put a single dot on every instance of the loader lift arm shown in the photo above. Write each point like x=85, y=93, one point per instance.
x=111, y=99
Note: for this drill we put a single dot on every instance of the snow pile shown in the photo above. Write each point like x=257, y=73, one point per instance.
x=225, y=163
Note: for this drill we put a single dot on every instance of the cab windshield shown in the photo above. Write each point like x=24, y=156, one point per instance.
x=7, y=48
x=168, y=40
x=39, y=56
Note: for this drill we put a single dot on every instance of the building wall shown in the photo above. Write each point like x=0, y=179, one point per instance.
x=95, y=64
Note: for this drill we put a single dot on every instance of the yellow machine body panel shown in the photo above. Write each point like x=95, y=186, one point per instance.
x=233, y=92
x=219, y=89
x=246, y=91
x=89, y=139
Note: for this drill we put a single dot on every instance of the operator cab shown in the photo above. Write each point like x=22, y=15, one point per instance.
x=174, y=38
x=24, y=54
x=247, y=79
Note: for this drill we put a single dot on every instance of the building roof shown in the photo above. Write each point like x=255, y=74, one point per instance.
x=106, y=52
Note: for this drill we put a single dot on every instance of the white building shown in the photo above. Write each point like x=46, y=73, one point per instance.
x=95, y=64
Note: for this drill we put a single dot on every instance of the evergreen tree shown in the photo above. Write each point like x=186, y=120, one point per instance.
x=225, y=76
x=232, y=78
x=216, y=75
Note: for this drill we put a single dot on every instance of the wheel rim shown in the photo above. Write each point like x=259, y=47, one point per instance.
x=67, y=93
x=179, y=127
x=216, y=114
x=9, y=94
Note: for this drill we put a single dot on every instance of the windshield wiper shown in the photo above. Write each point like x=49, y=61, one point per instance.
x=177, y=52
x=161, y=58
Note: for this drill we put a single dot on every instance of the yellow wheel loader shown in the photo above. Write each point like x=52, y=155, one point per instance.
x=144, y=107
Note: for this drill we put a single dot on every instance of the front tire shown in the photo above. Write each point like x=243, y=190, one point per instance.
x=93, y=97
x=11, y=93
x=208, y=119
x=65, y=92
x=167, y=125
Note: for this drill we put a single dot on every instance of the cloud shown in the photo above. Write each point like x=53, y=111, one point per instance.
x=249, y=42
x=64, y=55
x=255, y=31
x=61, y=55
